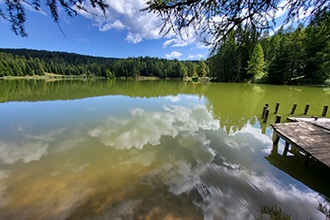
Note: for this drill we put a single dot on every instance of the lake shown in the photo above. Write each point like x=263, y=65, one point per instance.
x=124, y=149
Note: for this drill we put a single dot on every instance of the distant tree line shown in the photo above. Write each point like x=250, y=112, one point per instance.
x=290, y=56
x=24, y=62
x=163, y=68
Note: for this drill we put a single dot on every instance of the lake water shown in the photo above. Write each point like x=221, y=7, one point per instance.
x=116, y=149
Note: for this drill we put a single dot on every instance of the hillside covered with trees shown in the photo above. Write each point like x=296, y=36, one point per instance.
x=24, y=62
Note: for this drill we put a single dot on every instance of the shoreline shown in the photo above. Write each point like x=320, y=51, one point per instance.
x=49, y=76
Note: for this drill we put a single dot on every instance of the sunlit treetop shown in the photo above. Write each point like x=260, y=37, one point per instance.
x=217, y=18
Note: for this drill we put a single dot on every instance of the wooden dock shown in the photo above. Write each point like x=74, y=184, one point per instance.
x=321, y=122
x=311, y=138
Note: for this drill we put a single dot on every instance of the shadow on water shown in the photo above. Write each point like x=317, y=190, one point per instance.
x=314, y=174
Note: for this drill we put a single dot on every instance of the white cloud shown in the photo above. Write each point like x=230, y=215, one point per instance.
x=117, y=24
x=27, y=151
x=83, y=40
x=255, y=132
x=202, y=45
x=178, y=42
x=196, y=56
x=140, y=25
x=279, y=13
x=168, y=42
x=143, y=128
x=31, y=148
x=126, y=15
x=228, y=196
x=192, y=97
x=285, y=5
x=3, y=198
x=173, y=98
x=173, y=55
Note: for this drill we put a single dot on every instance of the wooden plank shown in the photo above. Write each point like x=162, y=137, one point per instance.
x=321, y=122
x=309, y=137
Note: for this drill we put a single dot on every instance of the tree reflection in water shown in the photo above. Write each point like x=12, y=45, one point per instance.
x=131, y=149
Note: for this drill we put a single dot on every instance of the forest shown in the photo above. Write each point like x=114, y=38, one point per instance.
x=298, y=55
x=293, y=55
x=25, y=62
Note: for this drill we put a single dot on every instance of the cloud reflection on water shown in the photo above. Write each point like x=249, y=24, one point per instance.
x=3, y=198
x=83, y=179
x=227, y=190
x=30, y=148
x=228, y=193
x=143, y=128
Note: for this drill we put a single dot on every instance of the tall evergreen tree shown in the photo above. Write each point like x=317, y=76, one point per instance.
x=317, y=48
x=202, y=68
x=278, y=62
x=256, y=64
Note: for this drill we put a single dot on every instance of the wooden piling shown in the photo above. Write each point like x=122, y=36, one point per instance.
x=294, y=106
x=324, y=112
x=278, y=119
x=276, y=138
x=286, y=148
x=306, y=109
x=274, y=149
x=266, y=115
x=307, y=156
x=264, y=110
x=263, y=127
x=277, y=105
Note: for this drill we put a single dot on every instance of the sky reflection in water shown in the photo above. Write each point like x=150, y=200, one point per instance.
x=127, y=158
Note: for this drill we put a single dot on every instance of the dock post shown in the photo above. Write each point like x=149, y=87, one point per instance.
x=276, y=107
x=274, y=149
x=324, y=112
x=264, y=110
x=294, y=106
x=275, y=138
x=266, y=115
x=278, y=119
x=286, y=148
x=307, y=157
x=306, y=109
x=263, y=127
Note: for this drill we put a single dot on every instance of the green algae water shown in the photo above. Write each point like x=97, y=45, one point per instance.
x=117, y=149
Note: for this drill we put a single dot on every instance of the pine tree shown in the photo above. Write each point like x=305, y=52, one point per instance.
x=202, y=69
x=256, y=64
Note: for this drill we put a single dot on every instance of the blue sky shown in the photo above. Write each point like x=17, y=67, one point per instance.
x=125, y=32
